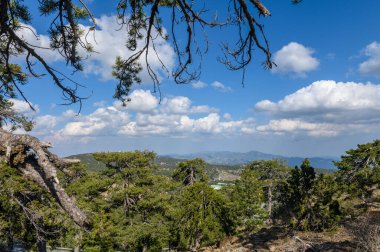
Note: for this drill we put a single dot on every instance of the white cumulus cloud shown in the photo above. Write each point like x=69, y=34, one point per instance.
x=284, y=126
x=141, y=101
x=103, y=121
x=177, y=105
x=221, y=87
x=296, y=59
x=372, y=65
x=40, y=42
x=203, y=109
x=144, y=116
x=23, y=107
x=324, y=108
x=45, y=124
x=109, y=42
x=199, y=85
x=328, y=100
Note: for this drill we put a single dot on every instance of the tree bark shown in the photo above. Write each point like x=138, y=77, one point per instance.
x=192, y=176
x=270, y=200
x=198, y=238
x=36, y=163
x=3, y=15
x=41, y=245
x=262, y=9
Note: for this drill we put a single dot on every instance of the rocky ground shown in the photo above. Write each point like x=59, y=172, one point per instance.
x=280, y=239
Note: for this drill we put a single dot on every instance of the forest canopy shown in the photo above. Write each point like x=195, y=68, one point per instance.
x=131, y=207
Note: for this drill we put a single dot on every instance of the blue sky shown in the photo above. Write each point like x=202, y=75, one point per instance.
x=322, y=99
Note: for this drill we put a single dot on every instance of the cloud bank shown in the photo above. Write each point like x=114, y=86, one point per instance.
x=324, y=108
x=174, y=117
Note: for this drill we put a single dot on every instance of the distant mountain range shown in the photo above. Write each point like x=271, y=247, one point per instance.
x=221, y=158
x=221, y=165
x=239, y=158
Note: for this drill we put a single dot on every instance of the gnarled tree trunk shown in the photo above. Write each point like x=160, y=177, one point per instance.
x=36, y=163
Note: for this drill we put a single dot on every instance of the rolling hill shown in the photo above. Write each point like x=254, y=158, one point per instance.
x=240, y=158
x=221, y=166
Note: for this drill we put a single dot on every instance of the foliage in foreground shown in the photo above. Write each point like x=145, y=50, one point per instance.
x=134, y=209
x=25, y=207
x=359, y=169
x=308, y=201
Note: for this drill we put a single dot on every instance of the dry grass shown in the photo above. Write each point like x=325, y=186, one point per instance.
x=366, y=232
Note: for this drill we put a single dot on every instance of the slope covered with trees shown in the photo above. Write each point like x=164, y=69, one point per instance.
x=134, y=209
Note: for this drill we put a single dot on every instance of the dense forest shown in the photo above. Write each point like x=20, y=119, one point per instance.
x=134, y=208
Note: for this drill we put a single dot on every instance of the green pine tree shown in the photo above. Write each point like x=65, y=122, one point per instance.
x=359, y=169
x=308, y=201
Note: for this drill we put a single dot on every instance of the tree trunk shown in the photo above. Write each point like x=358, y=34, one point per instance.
x=36, y=163
x=9, y=246
x=41, y=245
x=198, y=238
x=78, y=240
x=191, y=176
x=270, y=201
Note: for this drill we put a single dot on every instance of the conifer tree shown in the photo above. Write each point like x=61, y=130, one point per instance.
x=248, y=200
x=271, y=173
x=202, y=217
x=359, y=169
x=308, y=201
x=130, y=205
x=190, y=171
x=28, y=214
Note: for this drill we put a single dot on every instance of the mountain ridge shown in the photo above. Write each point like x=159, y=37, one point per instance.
x=232, y=158
x=239, y=158
x=216, y=172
